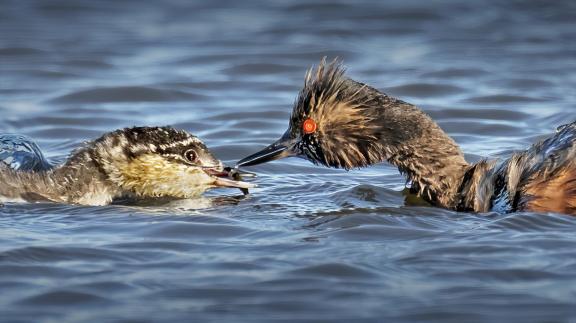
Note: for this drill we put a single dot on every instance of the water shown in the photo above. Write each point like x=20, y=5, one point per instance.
x=311, y=243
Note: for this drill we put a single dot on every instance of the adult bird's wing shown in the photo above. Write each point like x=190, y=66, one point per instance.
x=545, y=174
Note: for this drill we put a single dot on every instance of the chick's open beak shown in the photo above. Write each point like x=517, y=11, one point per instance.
x=229, y=178
x=282, y=148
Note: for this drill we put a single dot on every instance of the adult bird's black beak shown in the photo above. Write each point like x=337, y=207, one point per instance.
x=283, y=147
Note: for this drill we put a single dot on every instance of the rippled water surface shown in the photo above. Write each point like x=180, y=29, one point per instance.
x=310, y=243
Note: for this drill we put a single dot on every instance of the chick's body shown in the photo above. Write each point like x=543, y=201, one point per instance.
x=140, y=162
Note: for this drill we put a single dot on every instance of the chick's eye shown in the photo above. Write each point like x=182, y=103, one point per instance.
x=191, y=155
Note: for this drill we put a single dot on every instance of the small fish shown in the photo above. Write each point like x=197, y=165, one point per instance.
x=237, y=175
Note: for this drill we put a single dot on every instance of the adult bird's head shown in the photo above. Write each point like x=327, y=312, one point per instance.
x=341, y=123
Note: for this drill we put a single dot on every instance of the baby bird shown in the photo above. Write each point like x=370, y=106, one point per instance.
x=139, y=162
x=341, y=123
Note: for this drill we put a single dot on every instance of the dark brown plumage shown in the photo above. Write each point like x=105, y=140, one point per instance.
x=341, y=123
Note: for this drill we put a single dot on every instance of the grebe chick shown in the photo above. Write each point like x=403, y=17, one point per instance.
x=341, y=123
x=141, y=162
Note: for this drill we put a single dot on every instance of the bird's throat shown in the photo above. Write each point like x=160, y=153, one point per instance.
x=433, y=164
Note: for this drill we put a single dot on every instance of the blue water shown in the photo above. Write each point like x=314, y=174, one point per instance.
x=311, y=243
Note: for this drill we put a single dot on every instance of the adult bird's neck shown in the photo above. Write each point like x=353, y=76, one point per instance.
x=430, y=159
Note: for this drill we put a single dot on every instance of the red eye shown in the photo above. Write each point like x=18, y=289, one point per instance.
x=309, y=126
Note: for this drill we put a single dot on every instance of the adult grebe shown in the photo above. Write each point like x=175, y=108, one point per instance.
x=341, y=123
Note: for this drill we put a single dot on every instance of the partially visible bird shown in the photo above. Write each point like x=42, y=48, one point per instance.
x=139, y=162
x=341, y=123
